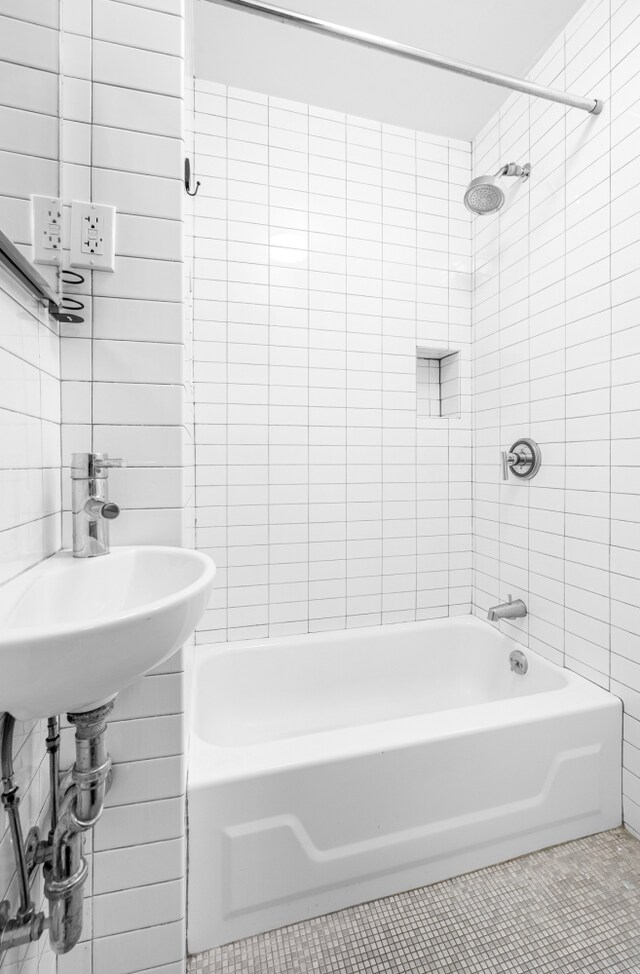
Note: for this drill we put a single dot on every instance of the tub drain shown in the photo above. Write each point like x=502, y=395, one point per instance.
x=518, y=662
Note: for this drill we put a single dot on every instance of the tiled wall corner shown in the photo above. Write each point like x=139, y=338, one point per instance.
x=556, y=336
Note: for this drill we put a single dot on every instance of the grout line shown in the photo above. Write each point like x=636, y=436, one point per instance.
x=610, y=302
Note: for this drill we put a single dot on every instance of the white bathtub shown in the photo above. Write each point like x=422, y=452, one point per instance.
x=332, y=769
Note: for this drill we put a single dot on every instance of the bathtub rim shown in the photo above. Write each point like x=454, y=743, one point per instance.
x=211, y=762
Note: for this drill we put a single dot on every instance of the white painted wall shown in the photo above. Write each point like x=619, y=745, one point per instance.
x=556, y=341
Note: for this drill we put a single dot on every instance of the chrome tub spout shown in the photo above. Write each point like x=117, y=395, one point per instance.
x=507, y=610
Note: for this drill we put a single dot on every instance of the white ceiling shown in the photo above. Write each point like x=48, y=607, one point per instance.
x=240, y=49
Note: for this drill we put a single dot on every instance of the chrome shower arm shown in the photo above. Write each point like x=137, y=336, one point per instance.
x=513, y=169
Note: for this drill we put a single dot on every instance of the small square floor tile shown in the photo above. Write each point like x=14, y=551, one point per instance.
x=571, y=909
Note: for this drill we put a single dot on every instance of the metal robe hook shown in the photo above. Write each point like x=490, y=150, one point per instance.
x=187, y=179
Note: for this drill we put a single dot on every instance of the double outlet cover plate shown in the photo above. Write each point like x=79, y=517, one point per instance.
x=92, y=235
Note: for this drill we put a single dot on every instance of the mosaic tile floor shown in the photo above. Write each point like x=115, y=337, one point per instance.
x=573, y=909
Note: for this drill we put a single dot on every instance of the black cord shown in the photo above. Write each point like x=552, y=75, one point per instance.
x=79, y=279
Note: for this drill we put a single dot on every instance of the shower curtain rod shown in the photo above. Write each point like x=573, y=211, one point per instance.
x=592, y=105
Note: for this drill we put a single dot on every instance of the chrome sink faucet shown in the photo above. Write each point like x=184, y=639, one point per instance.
x=507, y=610
x=91, y=508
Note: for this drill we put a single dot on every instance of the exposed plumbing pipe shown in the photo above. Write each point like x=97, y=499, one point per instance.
x=65, y=869
x=78, y=812
x=53, y=750
x=11, y=803
x=27, y=925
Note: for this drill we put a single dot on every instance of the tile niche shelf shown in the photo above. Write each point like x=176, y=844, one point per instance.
x=438, y=382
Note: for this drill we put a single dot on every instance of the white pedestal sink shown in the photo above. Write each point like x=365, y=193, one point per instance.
x=75, y=631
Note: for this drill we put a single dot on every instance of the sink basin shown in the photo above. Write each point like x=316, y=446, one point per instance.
x=75, y=631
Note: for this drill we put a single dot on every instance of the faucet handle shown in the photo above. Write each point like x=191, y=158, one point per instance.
x=104, y=462
x=509, y=461
x=91, y=466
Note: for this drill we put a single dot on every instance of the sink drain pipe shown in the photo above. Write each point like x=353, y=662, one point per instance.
x=76, y=806
x=80, y=808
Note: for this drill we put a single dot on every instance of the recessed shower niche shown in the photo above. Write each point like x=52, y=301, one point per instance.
x=438, y=382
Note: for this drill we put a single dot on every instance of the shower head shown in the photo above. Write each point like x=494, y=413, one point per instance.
x=484, y=194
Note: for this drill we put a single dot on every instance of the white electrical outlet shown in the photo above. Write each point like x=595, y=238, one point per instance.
x=93, y=236
x=46, y=214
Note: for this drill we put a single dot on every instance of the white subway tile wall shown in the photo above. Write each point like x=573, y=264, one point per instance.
x=29, y=384
x=556, y=337
x=29, y=532
x=326, y=249
x=122, y=394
